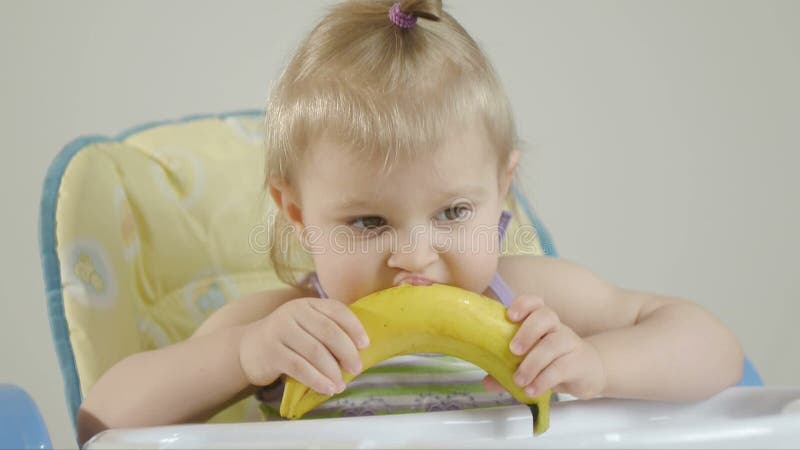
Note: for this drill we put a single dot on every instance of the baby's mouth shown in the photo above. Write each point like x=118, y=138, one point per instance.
x=415, y=280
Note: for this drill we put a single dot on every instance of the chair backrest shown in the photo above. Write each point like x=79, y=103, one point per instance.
x=146, y=234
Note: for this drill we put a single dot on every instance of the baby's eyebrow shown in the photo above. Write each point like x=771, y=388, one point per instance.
x=448, y=195
x=464, y=192
x=354, y=203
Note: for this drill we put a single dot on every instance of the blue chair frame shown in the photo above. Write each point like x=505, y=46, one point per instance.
x=21, y=423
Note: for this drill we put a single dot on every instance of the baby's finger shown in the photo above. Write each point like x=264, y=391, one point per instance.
x=522, y=306
x=334, y=338
x=317, y=354
x=540, y=322
x=492, y=385
x=552, y=346
x=303, y=371
x=346, y=319
x=552, y=375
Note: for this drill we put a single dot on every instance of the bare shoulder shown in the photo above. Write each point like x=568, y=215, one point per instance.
x=546, y=276
x=583, y=300
x=248, y=309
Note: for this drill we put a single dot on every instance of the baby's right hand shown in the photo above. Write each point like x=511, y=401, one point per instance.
x=307, y=339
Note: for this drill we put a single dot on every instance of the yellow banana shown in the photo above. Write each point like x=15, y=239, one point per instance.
x=431, y=319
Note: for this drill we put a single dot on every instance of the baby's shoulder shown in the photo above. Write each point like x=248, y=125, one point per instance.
x=549, y=277
x=541, y=269
x=248, y=308
x=523, y=273
x=583, y=300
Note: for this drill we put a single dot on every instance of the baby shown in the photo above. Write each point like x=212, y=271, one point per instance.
x=391, y=148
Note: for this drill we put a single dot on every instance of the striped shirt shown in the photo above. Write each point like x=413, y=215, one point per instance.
x=409, y=383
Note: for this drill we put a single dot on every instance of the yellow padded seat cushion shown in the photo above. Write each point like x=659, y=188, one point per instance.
x=156, y=231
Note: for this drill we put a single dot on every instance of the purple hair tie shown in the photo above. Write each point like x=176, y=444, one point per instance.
x=400, y=18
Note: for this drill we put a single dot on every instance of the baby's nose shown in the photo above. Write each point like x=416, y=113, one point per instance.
x=414, y=254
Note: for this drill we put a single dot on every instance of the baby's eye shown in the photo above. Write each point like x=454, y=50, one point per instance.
x=455, y=213
x=368, y=223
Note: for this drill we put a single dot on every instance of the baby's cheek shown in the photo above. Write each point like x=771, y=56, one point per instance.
x=481, y=270
x=343, y=276
x=482, y=259
x=472, y=270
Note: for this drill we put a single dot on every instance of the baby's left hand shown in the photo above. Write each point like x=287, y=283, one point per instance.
x=560, y=360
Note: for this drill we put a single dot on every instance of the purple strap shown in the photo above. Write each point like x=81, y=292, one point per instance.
x=501, y=290
x=497, y=285
x=313, y=280
x=505, y=218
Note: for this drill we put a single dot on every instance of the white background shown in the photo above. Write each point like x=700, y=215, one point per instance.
x=662, y=138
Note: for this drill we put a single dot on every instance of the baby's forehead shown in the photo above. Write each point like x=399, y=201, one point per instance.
x=457, y=148
x=463, y=167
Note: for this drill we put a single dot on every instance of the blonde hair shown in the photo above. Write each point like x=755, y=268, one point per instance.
x=382, y=90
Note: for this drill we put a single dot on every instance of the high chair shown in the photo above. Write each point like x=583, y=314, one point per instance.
x=144, y=235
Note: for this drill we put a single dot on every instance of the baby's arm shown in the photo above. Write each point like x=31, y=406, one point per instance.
x=649, y=346
x=189, y=381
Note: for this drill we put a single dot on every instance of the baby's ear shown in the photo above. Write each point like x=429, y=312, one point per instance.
x=508, y=172
x=287, y=200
